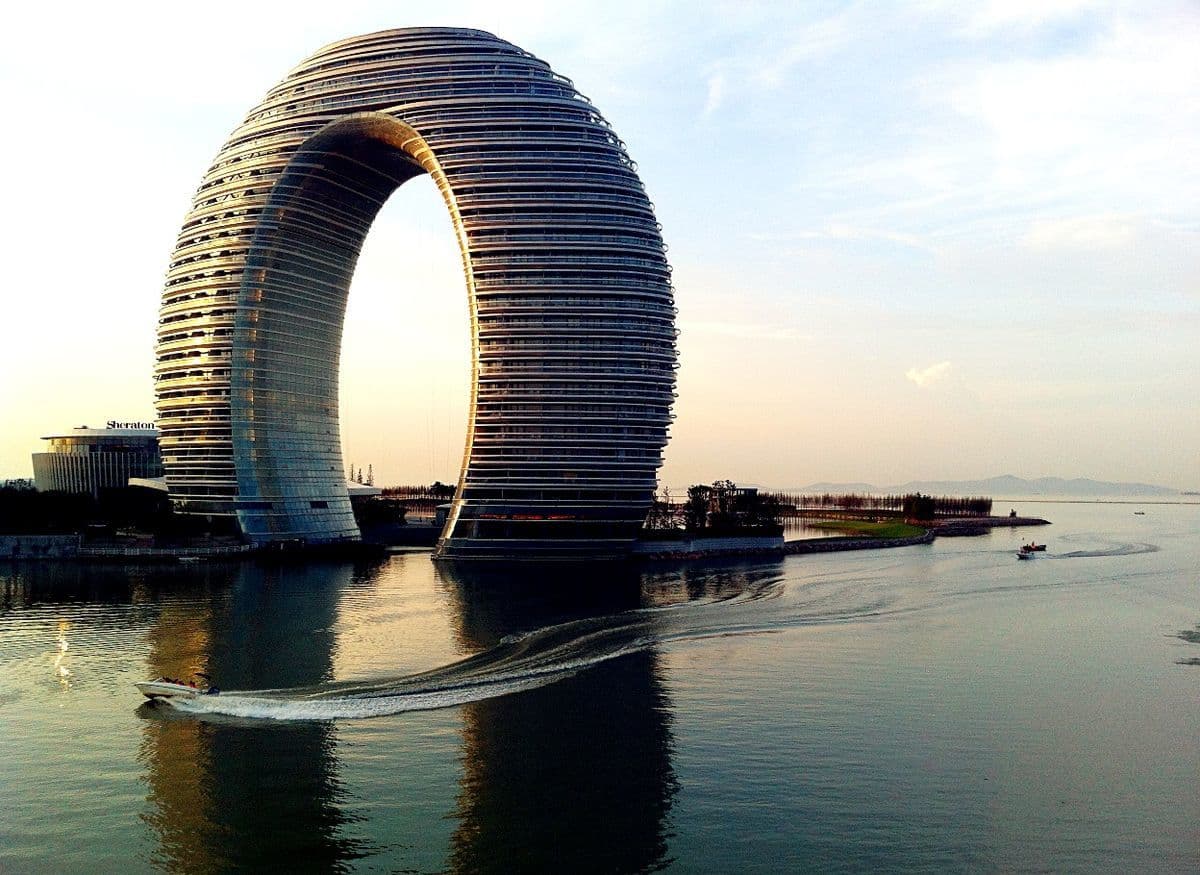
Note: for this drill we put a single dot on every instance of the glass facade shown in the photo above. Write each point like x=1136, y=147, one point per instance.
x=90, y=459
x=572, y=310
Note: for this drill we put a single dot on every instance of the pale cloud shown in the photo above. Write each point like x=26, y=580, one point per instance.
x=743, y=330
x=761, y=70
x=811, y=42
x=929, y=376
x=1107, y=231
x=844, y=231
x=995, y=15
x=716, y=94
x=1091, y=119
x=1017, y=137
x=998, y=18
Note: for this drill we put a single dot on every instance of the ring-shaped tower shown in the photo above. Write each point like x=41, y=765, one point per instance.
x=573, y=351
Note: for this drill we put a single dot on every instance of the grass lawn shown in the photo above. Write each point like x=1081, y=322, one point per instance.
x=870, y=530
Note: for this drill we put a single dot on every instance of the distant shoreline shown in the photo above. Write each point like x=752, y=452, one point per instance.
x=1010, y=500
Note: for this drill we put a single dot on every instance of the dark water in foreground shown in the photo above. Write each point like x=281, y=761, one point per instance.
x=934, y=708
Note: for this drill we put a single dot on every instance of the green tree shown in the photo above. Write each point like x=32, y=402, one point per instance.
x=695, y=509
x=919, y=507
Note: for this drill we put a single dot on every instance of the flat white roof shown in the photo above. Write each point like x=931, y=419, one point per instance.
x=85, y=432
x=157, y=483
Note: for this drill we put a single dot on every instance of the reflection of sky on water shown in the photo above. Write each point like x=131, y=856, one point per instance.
x=60, y=669
x=392, y=620
x=941, y=703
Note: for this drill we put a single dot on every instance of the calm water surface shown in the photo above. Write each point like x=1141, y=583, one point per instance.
x=941, y=707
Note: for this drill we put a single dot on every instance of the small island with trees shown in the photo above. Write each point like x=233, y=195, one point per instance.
x=724, y=519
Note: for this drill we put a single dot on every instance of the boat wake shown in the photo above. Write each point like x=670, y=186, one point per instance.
x=1113, y=549
x=534, y=659
x=515, y=664
x=749, y=601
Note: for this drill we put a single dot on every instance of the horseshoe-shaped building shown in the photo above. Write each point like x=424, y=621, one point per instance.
x=570, y=296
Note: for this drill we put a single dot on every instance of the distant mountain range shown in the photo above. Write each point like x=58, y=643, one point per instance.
x=1005, y=485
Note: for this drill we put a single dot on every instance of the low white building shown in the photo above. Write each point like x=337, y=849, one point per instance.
x=90, y=459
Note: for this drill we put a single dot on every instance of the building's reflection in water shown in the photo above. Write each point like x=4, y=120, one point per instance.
x=232, y=796
x=574, y=776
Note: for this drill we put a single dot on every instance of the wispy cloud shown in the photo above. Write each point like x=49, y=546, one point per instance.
x=928, y=376
x=758, y=69
x=716, y=94
x=1107, y=231
x=997, y=15
x=844, y=231
x=744, y=330
x=1106, y=119
x=810, y=42
x=1083, y=124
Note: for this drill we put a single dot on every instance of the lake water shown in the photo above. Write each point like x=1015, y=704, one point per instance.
x=933, y=708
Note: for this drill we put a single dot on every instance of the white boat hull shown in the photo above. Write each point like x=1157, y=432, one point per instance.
x=161, y=689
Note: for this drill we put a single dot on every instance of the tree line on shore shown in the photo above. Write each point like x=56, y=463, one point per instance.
x=435, y=491
x=724, y=507
x=914, y=505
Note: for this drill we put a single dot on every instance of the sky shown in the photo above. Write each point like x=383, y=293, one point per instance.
x=927, y=240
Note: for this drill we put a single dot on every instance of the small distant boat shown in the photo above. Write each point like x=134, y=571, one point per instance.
x=172, y=688
x=1033, y=548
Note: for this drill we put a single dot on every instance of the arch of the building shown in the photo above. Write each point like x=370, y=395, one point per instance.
x=572, y=316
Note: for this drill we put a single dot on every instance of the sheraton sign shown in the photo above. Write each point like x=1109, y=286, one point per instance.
x=112, y=423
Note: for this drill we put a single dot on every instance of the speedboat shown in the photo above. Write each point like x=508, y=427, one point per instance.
x=1033, y=548
x=170, y=688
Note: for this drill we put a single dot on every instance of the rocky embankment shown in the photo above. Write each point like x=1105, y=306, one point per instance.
x=853, y=542
x=981, y=525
